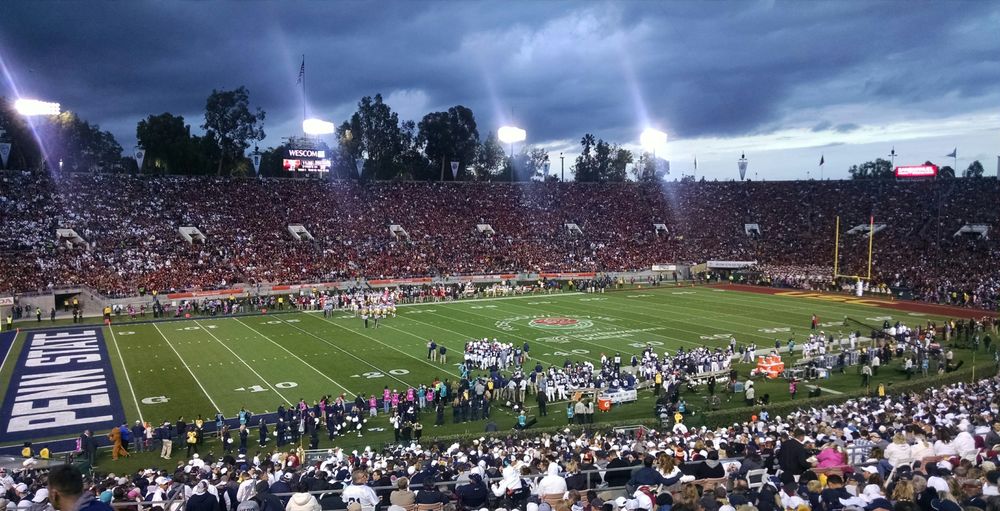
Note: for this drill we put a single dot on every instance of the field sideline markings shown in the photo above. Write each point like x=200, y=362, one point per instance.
x=12, y=343
x=684, y=318
x=749, y=318
x=125, y=370
x=254, y=371
x=502, y=332
x=196, y=380
x=466, y=300
x=676, y=320
x=817, y=305
x=568, y=335
x=597, y=308
x=440, y=368
x=553, y=346
x=831, y=391
x=294, y=355
x=387, y=373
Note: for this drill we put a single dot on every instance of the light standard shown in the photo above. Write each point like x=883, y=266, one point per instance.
x=511, y=135
x=650, y=140
x=33, y=107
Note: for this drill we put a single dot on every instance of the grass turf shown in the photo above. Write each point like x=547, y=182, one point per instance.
x=208, y=364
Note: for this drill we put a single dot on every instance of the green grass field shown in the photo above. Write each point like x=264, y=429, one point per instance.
x=185, y=368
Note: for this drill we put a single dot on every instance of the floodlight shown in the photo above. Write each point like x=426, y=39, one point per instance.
x=317, y=127
x=652, y=138
x=30, y=107
x=511, y=135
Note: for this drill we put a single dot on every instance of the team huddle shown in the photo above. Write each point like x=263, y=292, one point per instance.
x=370, y=306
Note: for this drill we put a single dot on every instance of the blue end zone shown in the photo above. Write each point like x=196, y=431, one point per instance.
x=62, y=384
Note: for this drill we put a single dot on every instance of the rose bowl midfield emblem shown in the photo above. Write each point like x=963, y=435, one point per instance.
x=560, y=323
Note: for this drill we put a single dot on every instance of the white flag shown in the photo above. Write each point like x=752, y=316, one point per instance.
x=360, y=164
x=255, y=158
x=4, y=152
x=743, y=167
x=454, y=170
x=140, y=155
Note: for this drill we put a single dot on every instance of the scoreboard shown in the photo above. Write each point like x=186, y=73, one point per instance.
x=909, y=171
x=306, y=160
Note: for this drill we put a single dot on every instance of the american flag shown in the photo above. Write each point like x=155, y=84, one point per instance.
x=302, y=71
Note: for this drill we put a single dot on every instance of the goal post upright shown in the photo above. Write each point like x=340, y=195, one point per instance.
x=871, y=240
x=836, y=248
x=836, y=251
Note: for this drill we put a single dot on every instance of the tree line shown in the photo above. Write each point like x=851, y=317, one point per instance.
x=882, y=169
x=390, y=148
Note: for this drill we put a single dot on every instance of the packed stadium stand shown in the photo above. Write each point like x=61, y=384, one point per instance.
x=931, y=450
x=130, y=231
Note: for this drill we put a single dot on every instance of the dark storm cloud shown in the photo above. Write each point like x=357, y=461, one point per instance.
x=822, y=126
x=559, y=69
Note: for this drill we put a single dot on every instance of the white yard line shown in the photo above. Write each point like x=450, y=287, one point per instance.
x=254, y=371
x=128, y=378
x=554, y=347
x=831, y=391
x=348, y=353
x=11, y=348
x=469, y=300
x=331, y=380
x=210, y=400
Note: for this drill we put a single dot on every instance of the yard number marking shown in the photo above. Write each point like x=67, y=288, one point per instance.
x=378, y=374
x=258, y=388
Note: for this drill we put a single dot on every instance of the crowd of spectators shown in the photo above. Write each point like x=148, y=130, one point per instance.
x=131, y=226
x=933, y=450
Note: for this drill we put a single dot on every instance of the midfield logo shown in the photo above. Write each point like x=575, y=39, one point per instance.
x=562, y=323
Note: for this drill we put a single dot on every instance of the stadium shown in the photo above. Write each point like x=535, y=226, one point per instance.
x=413, y=316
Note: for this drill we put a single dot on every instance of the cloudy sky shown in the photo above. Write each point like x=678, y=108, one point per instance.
x=783, y=82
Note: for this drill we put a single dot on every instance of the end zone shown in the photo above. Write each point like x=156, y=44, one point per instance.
x=901, y=305
x=62, y=384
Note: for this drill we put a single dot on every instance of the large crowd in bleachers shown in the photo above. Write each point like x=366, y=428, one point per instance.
x=933, y=450
x=131, y=225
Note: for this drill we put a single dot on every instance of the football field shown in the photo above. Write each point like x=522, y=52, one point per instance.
x=163, y=370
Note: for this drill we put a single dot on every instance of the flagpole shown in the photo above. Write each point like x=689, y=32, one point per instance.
x=303, y=87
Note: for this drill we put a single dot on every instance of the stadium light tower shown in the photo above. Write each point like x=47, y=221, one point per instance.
x=651, y=139
x=34, y=107
x=511, y=135
x=317, y=127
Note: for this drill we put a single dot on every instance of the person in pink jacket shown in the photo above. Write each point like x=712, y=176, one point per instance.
x=830, y=456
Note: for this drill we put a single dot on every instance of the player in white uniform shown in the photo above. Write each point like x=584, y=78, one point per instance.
x=360, y=492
